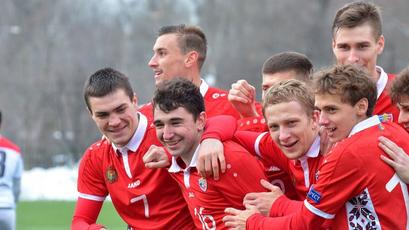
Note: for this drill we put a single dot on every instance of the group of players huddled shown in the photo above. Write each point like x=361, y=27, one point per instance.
x=323, y=150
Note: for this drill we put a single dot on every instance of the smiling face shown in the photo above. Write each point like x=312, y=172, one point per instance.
x=115, y=116
x=358, y=46
x=168, y=60
x=291, y=128
x=337, y=117
x=178, y=131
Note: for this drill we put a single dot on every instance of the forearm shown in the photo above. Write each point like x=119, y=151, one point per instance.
x=86, y=214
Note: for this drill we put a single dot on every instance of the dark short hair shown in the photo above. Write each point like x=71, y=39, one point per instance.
x=349, y=82
x=190, y=38
x=104, y=82
x=175, y=93
x=287, y=61
x=356, y=14
x=400, y=86
x=287, y=91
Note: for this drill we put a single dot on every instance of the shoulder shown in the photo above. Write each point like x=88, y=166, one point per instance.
x=97, y=149
x=6, y=143
x=237, y=154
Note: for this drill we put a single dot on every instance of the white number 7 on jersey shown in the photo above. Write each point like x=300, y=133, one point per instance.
x=392, y=183
x=145, y=203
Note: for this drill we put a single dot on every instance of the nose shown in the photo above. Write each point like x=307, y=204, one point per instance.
x=284, y=134
x=353, y=57
x=403, y=118
x=114, y=120
x=323, y=119
x=167, y=133
x=152, y=62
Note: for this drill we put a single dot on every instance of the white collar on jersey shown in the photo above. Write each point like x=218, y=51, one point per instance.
x=203, y=87
x=382, y=81
x=174, y=168
x=314, y=150
x=137, y=137
x=367, y=123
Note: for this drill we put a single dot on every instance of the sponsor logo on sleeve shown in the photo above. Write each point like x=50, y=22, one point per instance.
x=314, y=195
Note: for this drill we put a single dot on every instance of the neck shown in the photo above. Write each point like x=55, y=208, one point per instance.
x=375, y=74
x=188, y=155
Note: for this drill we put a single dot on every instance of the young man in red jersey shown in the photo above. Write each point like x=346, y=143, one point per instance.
x=180, y=51
x=357, y=40
x=11, y=170
x=179, y=119
x=144, y=198
x=354, y=188
x=279, y=67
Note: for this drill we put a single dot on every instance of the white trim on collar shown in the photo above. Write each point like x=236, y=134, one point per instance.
x=367, y=123
x=175, y=167
x=314, y=150
x=382, y=81
x=137, y=137
x=203, y=87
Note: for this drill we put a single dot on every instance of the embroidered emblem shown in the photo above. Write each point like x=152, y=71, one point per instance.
x=361, y=212
x=215, y=95
x=111, y=174
x=385, y=117
x=314, y=195
x=203, y=184
x=316, y=175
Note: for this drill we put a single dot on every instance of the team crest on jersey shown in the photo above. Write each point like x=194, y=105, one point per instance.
x=203, y=184
x=111, y=174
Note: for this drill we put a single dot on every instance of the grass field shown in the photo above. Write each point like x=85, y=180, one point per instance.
x=56, y=215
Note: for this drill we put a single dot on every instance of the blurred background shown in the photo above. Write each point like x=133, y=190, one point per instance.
x=49, y=47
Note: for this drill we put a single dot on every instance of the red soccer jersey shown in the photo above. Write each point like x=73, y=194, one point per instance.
x=384, y=102
x=355, y=188
x=215, y=99
x=302, y=171
x=208, y=198
x=144, y=198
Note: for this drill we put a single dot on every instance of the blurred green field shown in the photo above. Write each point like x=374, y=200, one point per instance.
x=56, y=215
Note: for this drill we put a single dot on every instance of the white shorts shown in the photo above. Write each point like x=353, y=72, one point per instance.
x=7, y=219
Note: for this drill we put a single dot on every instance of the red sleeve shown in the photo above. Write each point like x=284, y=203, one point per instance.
x=248, y=139
x=263, y=146
x=221, y=127
x=86, y=214
x=284, y=206
x=254, y=123
x=301, y=219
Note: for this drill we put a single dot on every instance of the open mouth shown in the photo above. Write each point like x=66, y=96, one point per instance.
x=171, y=144
x=289, y=145
x=157, y=73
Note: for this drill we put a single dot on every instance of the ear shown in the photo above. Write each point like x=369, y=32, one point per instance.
x=135, y=100
x=381, y=44
x=333, y=44
x=191, y=58
x=201, y=121
x=315, y=118
x=361, y=107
